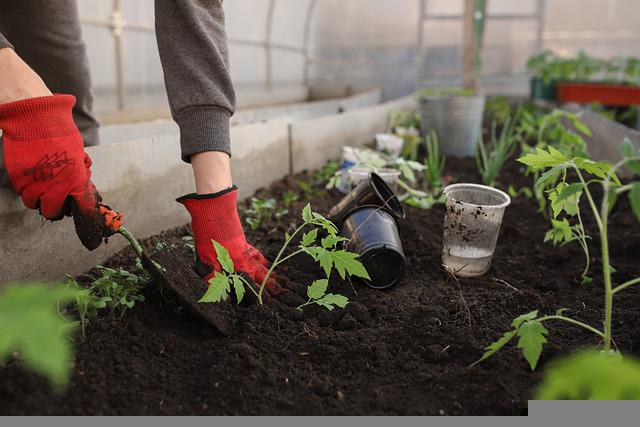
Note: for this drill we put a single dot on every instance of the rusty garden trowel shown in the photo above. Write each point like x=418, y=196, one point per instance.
x=184, y=289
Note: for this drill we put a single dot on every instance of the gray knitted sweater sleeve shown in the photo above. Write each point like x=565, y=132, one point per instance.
x=193, y=51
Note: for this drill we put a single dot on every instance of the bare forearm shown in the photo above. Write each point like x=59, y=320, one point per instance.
x=17, y=80
x=212, y=171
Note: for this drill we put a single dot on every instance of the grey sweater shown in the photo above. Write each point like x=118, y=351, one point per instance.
x=193, y=51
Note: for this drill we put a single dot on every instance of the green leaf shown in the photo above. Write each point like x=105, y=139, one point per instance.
x=495, y=346
x=532, y=335
x=307, y=215
x=599, y=169
x=579, y=124
x=331, y=241
x=560, y=232
x=321, y=221
x=346, y=262
x=317, y=289
x=330, y=301
x=238, y=287
x=223, y=257
x=218, y=289
x=406, y=171
x=586, y=280
x=524, y=318
x=629, y=151
x=310, y=237
x=543, y=159
x=31, y=326
x=569, y=190
x=565, y=197
x=634, y=198
x=551, y=174
x=321, y=256
x=591, y=376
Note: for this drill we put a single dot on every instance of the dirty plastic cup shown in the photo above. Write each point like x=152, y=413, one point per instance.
x=372, y=233
x=372, y=191
x=358, y=174
x=389, y=143
x=472, y=219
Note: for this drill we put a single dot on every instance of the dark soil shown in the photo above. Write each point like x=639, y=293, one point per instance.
x=402, y=351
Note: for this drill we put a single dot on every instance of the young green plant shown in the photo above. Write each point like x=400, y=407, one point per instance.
x=560, y=129
x=32, y=329
x=260, y=210
x=491, y=157
x=529, y=328
x=119, y=289
x=86, y=303
x=433, y=164
x=326, y=251
x=591, y=375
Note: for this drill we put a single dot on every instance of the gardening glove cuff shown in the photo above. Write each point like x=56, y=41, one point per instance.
x=38, y=118
x=215, y=217
x=47, y=165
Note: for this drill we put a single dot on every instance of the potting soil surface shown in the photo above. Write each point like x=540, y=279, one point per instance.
x=407, y=350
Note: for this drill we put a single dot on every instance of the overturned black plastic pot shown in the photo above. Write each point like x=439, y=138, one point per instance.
x=373, y=235
x=373, y=191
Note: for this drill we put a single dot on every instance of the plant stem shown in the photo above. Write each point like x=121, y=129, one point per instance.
x=277, y=261
x=582, y=238
x=135, y=244
x=623, y=188
x=589, y=198
x=606, y=267
x=304, y=305
x=573, y=321
x=250, y=286
x=626, y=285
x=291, y=255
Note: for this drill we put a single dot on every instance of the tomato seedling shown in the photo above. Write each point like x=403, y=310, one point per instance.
x=325, y=251
x=529, y=327
x=559, y=129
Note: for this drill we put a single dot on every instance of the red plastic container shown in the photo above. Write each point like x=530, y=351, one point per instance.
x=603, y=93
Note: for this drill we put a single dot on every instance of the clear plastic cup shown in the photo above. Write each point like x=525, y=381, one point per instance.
x=359, y=174
x=472, y=220
x=389, y=143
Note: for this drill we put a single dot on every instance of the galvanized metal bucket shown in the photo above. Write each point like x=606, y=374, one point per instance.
x=457, y=121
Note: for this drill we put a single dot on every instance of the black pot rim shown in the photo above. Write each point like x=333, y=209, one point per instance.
x=384, y=192
x=398, y=278
x=374, y=207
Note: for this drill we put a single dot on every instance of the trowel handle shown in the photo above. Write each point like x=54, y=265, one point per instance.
x=112, y=219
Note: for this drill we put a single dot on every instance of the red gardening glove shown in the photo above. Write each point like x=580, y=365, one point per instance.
x=215, y=217
x=47, y=165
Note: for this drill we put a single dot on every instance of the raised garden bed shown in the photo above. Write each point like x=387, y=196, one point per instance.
x=402, y=351
x=603, y=93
